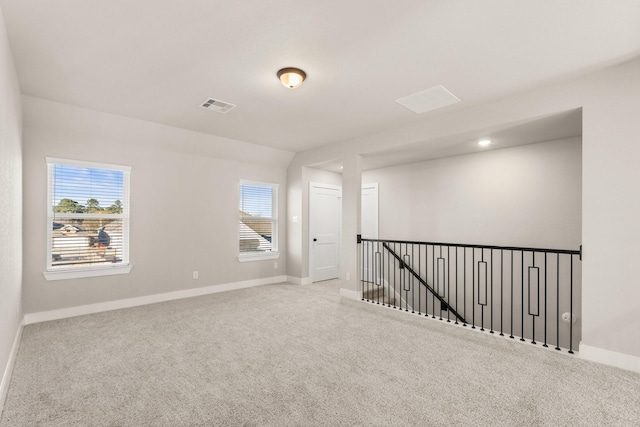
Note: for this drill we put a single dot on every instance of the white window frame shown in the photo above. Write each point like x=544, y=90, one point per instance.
x=273, y=254
x=75, y=272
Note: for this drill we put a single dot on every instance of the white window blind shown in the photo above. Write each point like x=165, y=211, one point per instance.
x=88, y=215
x=258, y=224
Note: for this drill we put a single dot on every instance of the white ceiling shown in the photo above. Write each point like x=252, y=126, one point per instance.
x=157, y=60
x=542, y=129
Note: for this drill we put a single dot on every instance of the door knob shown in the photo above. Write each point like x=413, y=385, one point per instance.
x=315, y=240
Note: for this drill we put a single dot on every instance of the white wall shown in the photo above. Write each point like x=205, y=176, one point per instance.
x=611, y=207
x=184, y=203
x=522, y=196
x=610, y=101
x=10, y=208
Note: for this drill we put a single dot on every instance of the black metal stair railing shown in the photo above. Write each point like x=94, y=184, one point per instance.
x=522, y=292
x=404, y=265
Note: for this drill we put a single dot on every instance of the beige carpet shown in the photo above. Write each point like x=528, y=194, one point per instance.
x=299, y=356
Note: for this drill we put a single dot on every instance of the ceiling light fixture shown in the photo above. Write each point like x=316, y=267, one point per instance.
x=484, y=142
x=291, y=77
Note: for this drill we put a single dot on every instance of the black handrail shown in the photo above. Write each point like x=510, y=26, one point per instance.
x=404, y=265
x=465, y=245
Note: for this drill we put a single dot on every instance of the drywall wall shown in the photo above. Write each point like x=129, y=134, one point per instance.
x=522, y=196
x=184, y=203
x=610, y=100
x=10, y=209
x=611, y=203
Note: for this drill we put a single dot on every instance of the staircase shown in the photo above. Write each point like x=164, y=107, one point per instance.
x=377, y=294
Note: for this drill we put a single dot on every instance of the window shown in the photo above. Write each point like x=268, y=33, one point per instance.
x=87, y=220
x=258, y=224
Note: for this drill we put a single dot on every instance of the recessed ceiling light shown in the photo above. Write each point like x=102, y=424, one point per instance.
x=484, y=142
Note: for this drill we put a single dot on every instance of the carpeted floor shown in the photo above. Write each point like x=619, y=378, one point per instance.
x=299, y=356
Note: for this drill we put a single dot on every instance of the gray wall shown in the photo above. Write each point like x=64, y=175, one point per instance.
x=10, y=204
x=184, y=203
x=523, y=196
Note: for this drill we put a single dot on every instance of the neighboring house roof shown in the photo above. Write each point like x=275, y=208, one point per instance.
x=259, y=225
x=252, y=241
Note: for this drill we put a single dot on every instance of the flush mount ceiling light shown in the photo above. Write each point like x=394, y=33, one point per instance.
x=291, y=77
x=484, y=142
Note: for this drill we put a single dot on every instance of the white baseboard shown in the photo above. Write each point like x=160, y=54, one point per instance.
x=299, y=280
x=351, y=294
x=6, y=377
x=608, y=357
x=64, y=313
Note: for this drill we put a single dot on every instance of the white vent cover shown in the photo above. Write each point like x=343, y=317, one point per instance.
x=427, y=100
x=216, y=105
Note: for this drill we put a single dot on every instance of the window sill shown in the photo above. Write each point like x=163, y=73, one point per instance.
x=88, y=272
x=258, y=256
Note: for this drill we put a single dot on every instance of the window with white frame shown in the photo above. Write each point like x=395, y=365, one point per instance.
x=258, y=222
x=87, y=220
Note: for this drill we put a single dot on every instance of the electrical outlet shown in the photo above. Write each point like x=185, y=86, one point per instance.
x=195, y=274
x=348, y=276
x=275, y=264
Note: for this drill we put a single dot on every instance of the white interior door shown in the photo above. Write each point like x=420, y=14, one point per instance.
x=325, y=218
x=369, y=230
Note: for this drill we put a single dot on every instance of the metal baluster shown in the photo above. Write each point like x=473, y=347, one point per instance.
x=377, y=260
x=545, y=300
x=511, y=336
x=501, y=292
x=558, y=303
x=473, y=288
x=433, y=280
x=419, y=274
x=369, y=249
x=457, y=284
x=400, y=285
x=522, y=297
x=394, y=284
x=571, y=307
x=392, y=274
x=438, y=289
x=485, y=285
x=533, y=319
x=413, y=301
x=491, y=263
x=362, y=279
x=464, y=289
x=407, y=285
x=448, y=282
x=426, y=277
x=379, y=278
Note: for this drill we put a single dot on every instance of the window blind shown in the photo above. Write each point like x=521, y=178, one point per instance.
x=88, y=214
x=257, y=227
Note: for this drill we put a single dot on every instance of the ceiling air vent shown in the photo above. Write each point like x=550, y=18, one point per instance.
x=216, y=105
x=427, y=100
